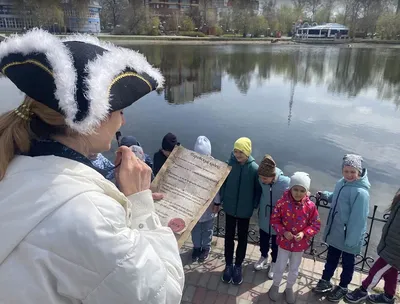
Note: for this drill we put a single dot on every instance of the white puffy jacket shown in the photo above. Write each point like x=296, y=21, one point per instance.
x=70, y=236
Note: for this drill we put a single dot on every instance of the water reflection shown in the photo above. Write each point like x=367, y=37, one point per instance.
x=305, y=105
x=196, y=70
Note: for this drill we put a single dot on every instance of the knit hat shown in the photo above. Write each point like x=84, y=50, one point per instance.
x=138, y=150
x=169, y=142
x=353, y=160
x=243, y=144
x=79, y=76
x=267, y=166
x=129, y=141
x=300, y=179
x=203, y=146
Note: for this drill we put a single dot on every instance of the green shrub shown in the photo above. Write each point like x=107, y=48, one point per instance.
x=187, y=24
x=192, y=34
x=219, y=31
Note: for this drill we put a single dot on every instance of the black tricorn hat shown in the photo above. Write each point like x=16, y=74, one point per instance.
x=80, y=77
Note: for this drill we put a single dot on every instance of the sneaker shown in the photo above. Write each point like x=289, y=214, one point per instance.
x=227, y=275
x=290, y=299
x=380, y=299
x=357, y=296
x=204, y=255
x=196, y=254
x=337, y=294
x=261, y=264
x=271, y=271
x=237, y=277
x=323, y=287
x=273, y=293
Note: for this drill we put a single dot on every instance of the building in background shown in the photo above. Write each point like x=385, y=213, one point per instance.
x=12, y=19
x=169, y=7
x=82, y=24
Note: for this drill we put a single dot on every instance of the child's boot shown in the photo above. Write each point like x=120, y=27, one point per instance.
x=273, y=293
x=237, y=277
x=290, y=298
x=357, y=296
x=380, y=299
x=261, y=264
x=337, y=294
x=204, y=255
x=227, y=275
x=196, y=254
x=271, y=271
x=323, y=287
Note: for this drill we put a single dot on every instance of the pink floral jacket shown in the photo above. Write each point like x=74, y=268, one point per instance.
x=289, y=215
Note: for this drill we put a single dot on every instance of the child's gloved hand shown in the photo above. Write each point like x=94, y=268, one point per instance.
x=298, y=237
x=288, y=235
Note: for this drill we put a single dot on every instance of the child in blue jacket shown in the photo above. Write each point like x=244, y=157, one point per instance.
x=273, y=184
x=346, y=225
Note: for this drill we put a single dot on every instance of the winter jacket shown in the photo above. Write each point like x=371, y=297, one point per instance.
x=240, y=194
x=389, y=246
x=70, y=236
x=295, y=217
x=347, y=219
x=276, y=191
x=158, y=161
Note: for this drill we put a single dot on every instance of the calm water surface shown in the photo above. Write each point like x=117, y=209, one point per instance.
x=306, y=106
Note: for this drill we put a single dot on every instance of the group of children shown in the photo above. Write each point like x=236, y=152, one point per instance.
x=288, y=221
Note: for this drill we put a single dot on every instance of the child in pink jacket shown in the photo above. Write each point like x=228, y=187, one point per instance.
x=296, y=221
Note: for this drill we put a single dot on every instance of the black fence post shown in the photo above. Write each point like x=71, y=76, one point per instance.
x=368, y=237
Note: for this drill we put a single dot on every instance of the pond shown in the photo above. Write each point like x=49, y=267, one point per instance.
x=305, y=105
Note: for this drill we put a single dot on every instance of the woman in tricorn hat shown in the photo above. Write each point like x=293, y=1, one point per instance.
x=68, y=235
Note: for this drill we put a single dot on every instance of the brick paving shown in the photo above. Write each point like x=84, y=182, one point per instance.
x=203, y=280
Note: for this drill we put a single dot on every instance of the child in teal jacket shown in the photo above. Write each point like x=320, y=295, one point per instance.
x=346, y=225
x=273, y=184
x=240, y=195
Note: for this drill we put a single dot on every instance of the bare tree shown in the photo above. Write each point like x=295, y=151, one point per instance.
x=299, y=4
x=313, y=6
x=43, y=13
x=113, y=12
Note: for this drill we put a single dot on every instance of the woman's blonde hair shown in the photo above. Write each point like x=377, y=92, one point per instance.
x=16, y=133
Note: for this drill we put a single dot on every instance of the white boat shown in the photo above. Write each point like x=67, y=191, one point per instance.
x=329, y=33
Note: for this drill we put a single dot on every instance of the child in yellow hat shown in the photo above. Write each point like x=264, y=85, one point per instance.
x=240, y=195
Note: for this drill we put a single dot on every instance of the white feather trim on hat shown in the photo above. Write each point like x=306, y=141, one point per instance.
x=102, y=71
x=60, y=59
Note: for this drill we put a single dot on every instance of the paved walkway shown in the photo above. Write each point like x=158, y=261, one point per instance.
x=203, y=283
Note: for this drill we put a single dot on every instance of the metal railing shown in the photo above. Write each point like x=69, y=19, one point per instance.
x=318, y=249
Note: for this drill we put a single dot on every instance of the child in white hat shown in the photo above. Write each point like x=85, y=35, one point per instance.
x=203, y=231
x=296, y=221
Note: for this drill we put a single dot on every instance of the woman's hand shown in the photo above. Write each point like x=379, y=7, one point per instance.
x=132, y=174
x=158, y=196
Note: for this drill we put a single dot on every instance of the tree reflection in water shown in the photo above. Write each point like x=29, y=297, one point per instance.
x=194, y=70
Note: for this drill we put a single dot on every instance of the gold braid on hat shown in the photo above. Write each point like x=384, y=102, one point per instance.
x=24, y=112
